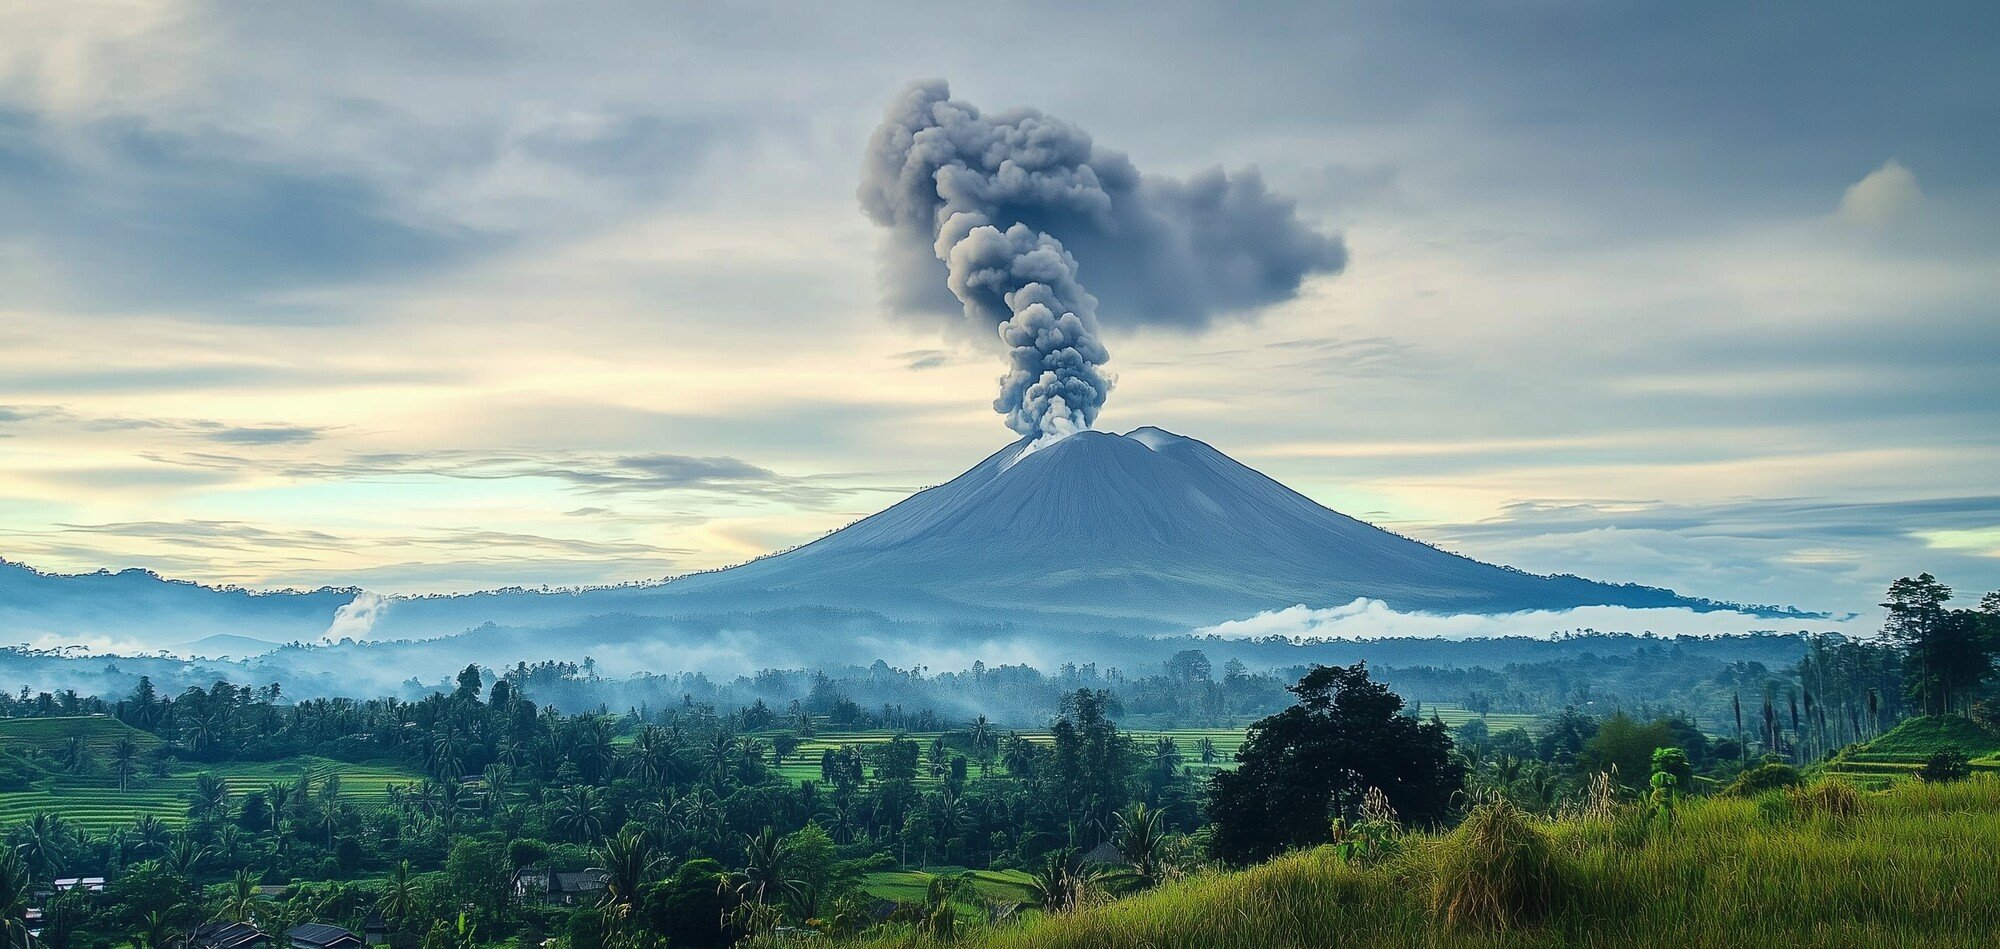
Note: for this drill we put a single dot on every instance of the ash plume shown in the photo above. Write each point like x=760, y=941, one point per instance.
x=999, y=208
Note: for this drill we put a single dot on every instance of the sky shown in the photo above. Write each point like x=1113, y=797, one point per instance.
x=443, y=297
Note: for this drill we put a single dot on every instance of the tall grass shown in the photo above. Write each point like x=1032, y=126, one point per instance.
x=1912, y=866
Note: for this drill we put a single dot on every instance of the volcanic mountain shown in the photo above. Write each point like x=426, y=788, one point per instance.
x=1145, y=524
x=1147, y=532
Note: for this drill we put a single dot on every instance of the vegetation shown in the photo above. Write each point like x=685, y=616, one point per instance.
x=1728, y=871
x=479, y=815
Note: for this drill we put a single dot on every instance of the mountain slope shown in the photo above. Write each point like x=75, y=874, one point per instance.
x=1143, y=533
x=1148, y=524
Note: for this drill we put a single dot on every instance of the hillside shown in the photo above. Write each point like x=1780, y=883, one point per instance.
x=1143, y=534
x=1729, y=873
x=1898, y=753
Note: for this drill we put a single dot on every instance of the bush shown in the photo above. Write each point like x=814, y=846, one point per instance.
x=1829, y=798
x=1496, y=871
x=1948, y=764
x=1762, y=778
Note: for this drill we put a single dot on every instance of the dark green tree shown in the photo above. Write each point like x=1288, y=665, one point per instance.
x=1315, y=761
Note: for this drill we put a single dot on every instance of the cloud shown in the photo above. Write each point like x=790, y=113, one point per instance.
x=357, y=617
x=923, y=358
x=1373, y=619
x=1888, y=193
x=203, y=429
x=591, y=472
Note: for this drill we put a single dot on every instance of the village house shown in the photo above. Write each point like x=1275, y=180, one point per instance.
x=558, y=887
x=227, y=935
x=322, y=936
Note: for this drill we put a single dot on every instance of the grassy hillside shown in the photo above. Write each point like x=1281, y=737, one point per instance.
x=51, y=735
x=1913, y=866
x=1898, y=753
x=97, y=804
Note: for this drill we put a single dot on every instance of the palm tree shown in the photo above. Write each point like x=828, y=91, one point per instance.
x=766, y=873
x=940, y=914
x=14, y=881
x=210, y=797
x=280, y=797
x=579, y=812
x=1063, y=883
x=240, y=899
x=44, y=843
x=185, y=857
x=123, y=754
x=1141, y=840
x=399, y=898
x=159, y=932
x=150, y=836
x=629, y=862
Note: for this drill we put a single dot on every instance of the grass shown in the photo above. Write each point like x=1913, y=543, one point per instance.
x=1897, y=754
x=49, y=736
x=910, y=886
x=803, y=764
x=97, y=804
x=1910, y=866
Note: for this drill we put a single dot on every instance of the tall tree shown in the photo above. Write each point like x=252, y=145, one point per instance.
x=1317, y=759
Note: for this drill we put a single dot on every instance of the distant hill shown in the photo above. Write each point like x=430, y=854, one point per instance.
x=224, y=644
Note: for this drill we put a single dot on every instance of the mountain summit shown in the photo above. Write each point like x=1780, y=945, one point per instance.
x=1146, y=524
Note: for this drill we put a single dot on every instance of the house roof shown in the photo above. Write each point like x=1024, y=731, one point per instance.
x=1104, y=853
x=225, y=935
x=322, y=934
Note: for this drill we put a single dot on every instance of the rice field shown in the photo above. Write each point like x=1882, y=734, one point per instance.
x=97, y=804
x=49, y=736
x=911, y=886
x=1901, y=752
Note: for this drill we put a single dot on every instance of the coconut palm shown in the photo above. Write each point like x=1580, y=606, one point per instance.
x=240, y=899
x=580, y=812
x=766, y=874
x=45, y=843
x=399, y=898
x=1141, y=840
x=629, y=862
x=14, y=882
x=124, y=754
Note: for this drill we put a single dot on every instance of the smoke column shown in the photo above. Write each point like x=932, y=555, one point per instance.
x=1000, y=207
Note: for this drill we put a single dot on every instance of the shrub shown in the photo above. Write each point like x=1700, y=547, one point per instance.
x=1830, y=798
x=1948, y=764
x=1764, y=777
x=1497, y=870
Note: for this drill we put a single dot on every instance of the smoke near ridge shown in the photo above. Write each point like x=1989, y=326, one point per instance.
x=1002, y=207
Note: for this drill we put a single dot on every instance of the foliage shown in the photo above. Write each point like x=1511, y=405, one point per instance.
x=1319, y=758
x=1948, y=764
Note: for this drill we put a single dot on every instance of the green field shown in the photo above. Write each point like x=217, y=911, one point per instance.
x=1899, y=753
x=1907, y=867
x=803, y=763
x=48, y=736
x=910, y=886
x=96, y=803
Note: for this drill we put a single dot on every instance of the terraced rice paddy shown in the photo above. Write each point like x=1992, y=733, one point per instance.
x=97, y=804
x=911, y=886
x=51, y=735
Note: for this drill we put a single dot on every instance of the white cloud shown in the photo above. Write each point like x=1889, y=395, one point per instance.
x=1373, y=619
x=1887, y=194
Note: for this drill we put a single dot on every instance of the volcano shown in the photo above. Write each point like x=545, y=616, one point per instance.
x=1147, y=524
x=1143, y=533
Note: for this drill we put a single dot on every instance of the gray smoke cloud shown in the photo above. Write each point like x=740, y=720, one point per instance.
x=998, y=209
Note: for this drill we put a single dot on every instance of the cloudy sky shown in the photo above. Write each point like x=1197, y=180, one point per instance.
x=444, y=297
